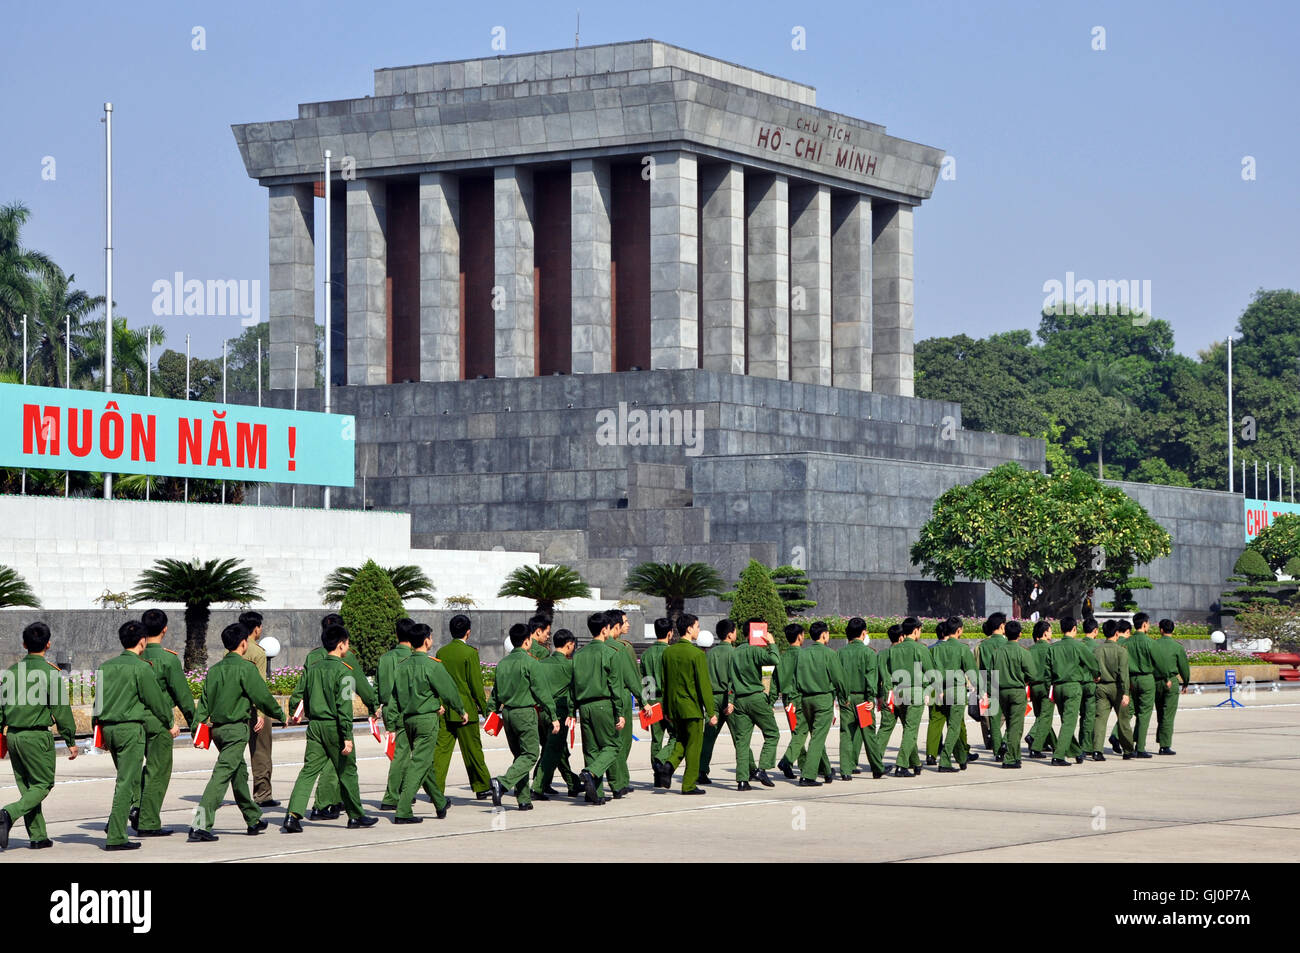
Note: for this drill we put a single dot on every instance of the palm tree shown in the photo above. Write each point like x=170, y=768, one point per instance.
x=546, y=585
x=14, y=590
x=48, y=328
x=20, y=271
x=1108, y=382
x=130, y=355
x=197, y=585
x=409, y=581
x=674, y=583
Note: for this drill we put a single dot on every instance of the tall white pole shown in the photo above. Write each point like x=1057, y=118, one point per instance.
x=293, y=490
x=329, y=335
x=108, y=267
x=259, y=402
x=223, y=400
x=148, y=385
x=187, y=397
x=1257, y=479
x=1268, y=480
x=23, y=490
x=67, y=382
x=1230, y=472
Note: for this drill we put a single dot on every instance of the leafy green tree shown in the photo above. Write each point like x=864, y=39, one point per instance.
x=56, y=324
x=197, y=584
x=756, y=597
x=169, y=378
x=241, y=360
x=371, y=608
x=130, y=355
x=21, y=270
x=1037, y=537
x=409, y=581
x=1279, y=542
x=545, y=585
x=1292, y=567
x=674, y=583
x=1253, y=566
x=14, y=590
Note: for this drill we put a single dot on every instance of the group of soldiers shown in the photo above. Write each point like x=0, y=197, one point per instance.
x=546, y=689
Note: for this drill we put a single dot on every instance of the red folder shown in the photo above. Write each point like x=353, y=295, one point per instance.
x=757, y=633
x=390, y=746
x=202, y=736
x=297, y=712
x=651, y=715
x=791, y=716
x=572, y=731
x=493, y=724
x=889, y=703
x=865, y=718
x=4, y=747
x=984, y=707
x=374, y=729
x=99, y=736
x=1051, y=693
x=1029, y=707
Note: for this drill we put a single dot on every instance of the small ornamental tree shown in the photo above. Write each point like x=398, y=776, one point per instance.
x=14, y=590
x=1252, y=564
x=371, y=608
x=1292, y=567
x=545, y=585
x=197, y=584
x=674, y=583
x=1279, y=541
x=756, y=597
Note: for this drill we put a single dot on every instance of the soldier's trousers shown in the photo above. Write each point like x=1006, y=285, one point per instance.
x=599, y=739
x=421, y=733
x=555, y=754
x=230, y=772
x=934, y=732
x=754, y=711
x=798, y=736
x=32, y=755
x=401, y=757
x=909, y=716
x=1012, y=702
x=1087, y=714
x=1142, y=697
x=818, y=711
x=1069, y=700
x=1166, y=707
x=259, y=753
x=324, y=747
x=155, y=777
x=853, y=738
x=618, y=774
x=521, y=736
x=689, y=739
x=125, y=742
x=661, y=742
x=470, y=739
x=1109, y=695
x=1041, y=736
x=954, y=740
x=711, y=733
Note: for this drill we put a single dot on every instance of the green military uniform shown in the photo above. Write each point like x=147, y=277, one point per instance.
x=232, y=689
x=785, y=682
x=688, y=702
x=719, y=662
x=984, y=653
x=652, y=677
x=126, y=693
x=259, y=742
x=934, y=731
x=1142, y=685
x=157, y=774
x=1069, y=665
x=386, y=676
x=1088, y=698
x=539, y=650
x=461, y=661
x=1041, y=696
x=1011, y=664
x=753, y=709
x=557, y=671
x=625, y=654
x=33, y=696
x=861, y=667
x=821, y=680
x=596, y=686
x=423, y=687
x=327, y=788
x=906, y=663
x=1112, y=684
x=327, y=696
x=520, y=695
x=955, y=665
x=1170, y=668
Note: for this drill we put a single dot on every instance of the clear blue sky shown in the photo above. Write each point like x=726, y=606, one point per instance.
x=1118, y=164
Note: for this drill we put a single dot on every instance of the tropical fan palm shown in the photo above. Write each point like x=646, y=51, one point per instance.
x=47, y=329
x=197, y=585
x=546, y=585
x=130, y=355
x=14, y=590
x=409, y=581
x=20, y=272
x=674, y=583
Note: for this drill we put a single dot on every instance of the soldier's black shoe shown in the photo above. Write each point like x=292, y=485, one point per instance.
x=41, y=844
x=1036, y=754
x=703, y=779
x=483, y=795
x=200, y=836
x=1013, y=764
x=1098, y=756
x=362, y=821
x=1060, y=763
x=948, y=770
x=408, y=820
x=1027, y=739
x=330, y=813
x=809, y=783
x=877, y=774
x=762, y=778
x=156, y=832
x=663, y=775
x=496, y=791
x=552, y=792
x=1002, y=751
x=600, y=801
x=973, y=756
x=1114, y=746
x=292, y=825
x=931, y=760
x=1078, y=759
x=695, y=791
x=961, y=765
x=1142, y=754
x=441, y=812
x=539, y=796
x=857, y=770
x=6, y=822
x=1167, y=750
x=753, y=774
x=1128, y=755
x=845, y=777
x=129, y=845
x=617, y=795
x=902, y=772
x=589, y=783
x=133, y=819
x=387, y=806
x=786, y=768
x=743, y=786
x=269, y=802
x=827, y=779
x=526, y=806
x=625, y=790
x=257, y=828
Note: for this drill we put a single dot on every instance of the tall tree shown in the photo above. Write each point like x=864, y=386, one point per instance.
x=21, y=270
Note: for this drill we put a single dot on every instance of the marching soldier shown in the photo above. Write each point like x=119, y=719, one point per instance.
x=821, y=682
x=861, y=668
x=752, y=707
x=557, y=669
x=597, y=684
x=539, y=630
x=1112, y=691
x=652, y=678
x=462, y=663
x=688, y=701
x=518, y=697
x=426, y=694
x=619, y=777
x=1142, y=682
x=955, y=666
x=259, y=738
x=1170, y=667
x=1041, y=737
x=995, y=627
x=906, y=662
x=719, y=659
x=146, y=818
x=1088, y=684
x=1010, y=667
x=1069, y=664
x=386, y=676
x=786, y=683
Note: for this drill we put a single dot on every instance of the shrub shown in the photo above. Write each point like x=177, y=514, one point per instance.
x=757, y=598
x=1292, y=567
x=370, y=611
x=1279, y=541
x=1253, y=566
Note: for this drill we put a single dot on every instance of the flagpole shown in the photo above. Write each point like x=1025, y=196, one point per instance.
x=328, y=329
x=1230, y=471
x=293, y=490
x=148, y=385
x=259, y=402
x=108, y=268
x=67, y=382
x=187, y=397
x=223, y=400
x=23, y=490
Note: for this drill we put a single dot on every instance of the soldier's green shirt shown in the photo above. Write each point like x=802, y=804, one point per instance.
x=126, y=690
x=1170, y=659
x=785, y=680
x=232, y=690
x=539, y=651
x=1038, y=663
x=461, y=661
x=1112, y=663
x=861, y=667
x=747, y=668
x=424, y=685
x=1090, y=644
x=719, y=661
x=34, y=694
x=819, y=671
x=985, y=651
x=327, y=697
x=652, y=670
x=626, y=664
x=365, y=691
x=171, y=679
x=596, y=674
x=955, y=664
x=518, y=685
x=1011, y=664
x=1140, y=661
x=688, y=693
x=558, y=673
x=386, y=676
x=1069, y=660
x=906, y=662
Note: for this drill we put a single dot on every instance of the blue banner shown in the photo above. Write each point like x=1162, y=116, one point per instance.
x=1261, y=513
x=49, y=428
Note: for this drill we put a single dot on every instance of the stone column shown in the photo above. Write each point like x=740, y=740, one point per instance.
x=851, y=291
x=515, y=321
x=767, y=205
x=722, y=264
x=891, y=298
x=674, y=261
x=439, y=277
x=290, y=226
x=810, y=284
x=367, y=282
x=589, y=266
